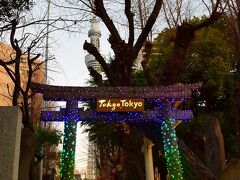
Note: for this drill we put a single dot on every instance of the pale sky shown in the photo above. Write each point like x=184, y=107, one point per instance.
x=70, y=58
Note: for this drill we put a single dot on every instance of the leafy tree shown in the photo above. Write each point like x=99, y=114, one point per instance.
x=209, y=59
x=119, y=70
x=10, y=9
x=232, y=19
x=46, y=137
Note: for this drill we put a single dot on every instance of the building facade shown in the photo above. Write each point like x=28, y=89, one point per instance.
x=7, y=85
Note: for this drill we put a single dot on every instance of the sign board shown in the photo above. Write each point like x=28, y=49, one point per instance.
x=120, y=105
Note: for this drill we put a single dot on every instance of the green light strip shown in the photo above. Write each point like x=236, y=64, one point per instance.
x=68, y=154
x=171, y=152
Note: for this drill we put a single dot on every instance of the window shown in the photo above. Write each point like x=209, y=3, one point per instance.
x=23, y=60
x=21, y=71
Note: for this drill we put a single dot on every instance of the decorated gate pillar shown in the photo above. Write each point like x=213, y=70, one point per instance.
x=171, y=151
x=71, y=115
x=69, y=141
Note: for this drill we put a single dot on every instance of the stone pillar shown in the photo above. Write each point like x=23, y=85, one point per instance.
x=147, y=150
x=10, y=136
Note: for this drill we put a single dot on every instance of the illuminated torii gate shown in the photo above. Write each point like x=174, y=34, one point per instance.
x=167, y=95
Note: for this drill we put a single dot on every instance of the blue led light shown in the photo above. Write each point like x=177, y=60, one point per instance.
x=158, y=115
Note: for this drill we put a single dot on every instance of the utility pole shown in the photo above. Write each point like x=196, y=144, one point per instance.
x=47, y=43
x=46, y=58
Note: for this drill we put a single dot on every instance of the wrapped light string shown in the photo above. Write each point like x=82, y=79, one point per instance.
x=160, y=115
x=138, y=117
x=69, y=141
x=68, y=153
x=170, y=145
x=61, y=93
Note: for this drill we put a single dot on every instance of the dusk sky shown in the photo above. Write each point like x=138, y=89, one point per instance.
x=70, y=57
x=72, y=71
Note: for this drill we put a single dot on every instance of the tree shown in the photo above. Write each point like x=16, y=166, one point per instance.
x=47, y=138
x=10, y=9
x=120, y=47
x=119, y=70
x=15, y=19
x=232, y=17
x=125, y=52
x=21, y=61
x=21, y=96
x=210, y=60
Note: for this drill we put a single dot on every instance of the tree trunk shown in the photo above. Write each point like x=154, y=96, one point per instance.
x=27, y=151
x=236, y=95
x=175, y=64
x=34, y=170
x=214, y=145
x=236, y=112
x=193, y=163
x=139, y=167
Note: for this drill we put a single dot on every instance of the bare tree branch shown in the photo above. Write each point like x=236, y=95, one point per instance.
x=93, y=50
x=15, y=46
x=96, y=76
x=140, y=14
x=213, y=17
x=205, y=4
x=166, y=16
x=101, y=12
x=172, y=13
x=30, y=70
x=129, y=15
x=8, y=70
x=149, y=24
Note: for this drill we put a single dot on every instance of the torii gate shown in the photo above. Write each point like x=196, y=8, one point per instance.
x=72, y=114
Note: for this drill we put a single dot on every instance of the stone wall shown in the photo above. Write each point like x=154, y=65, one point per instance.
x=10, y=135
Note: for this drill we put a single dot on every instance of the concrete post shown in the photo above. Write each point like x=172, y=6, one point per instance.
x=147, y=150
x=10, y=136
